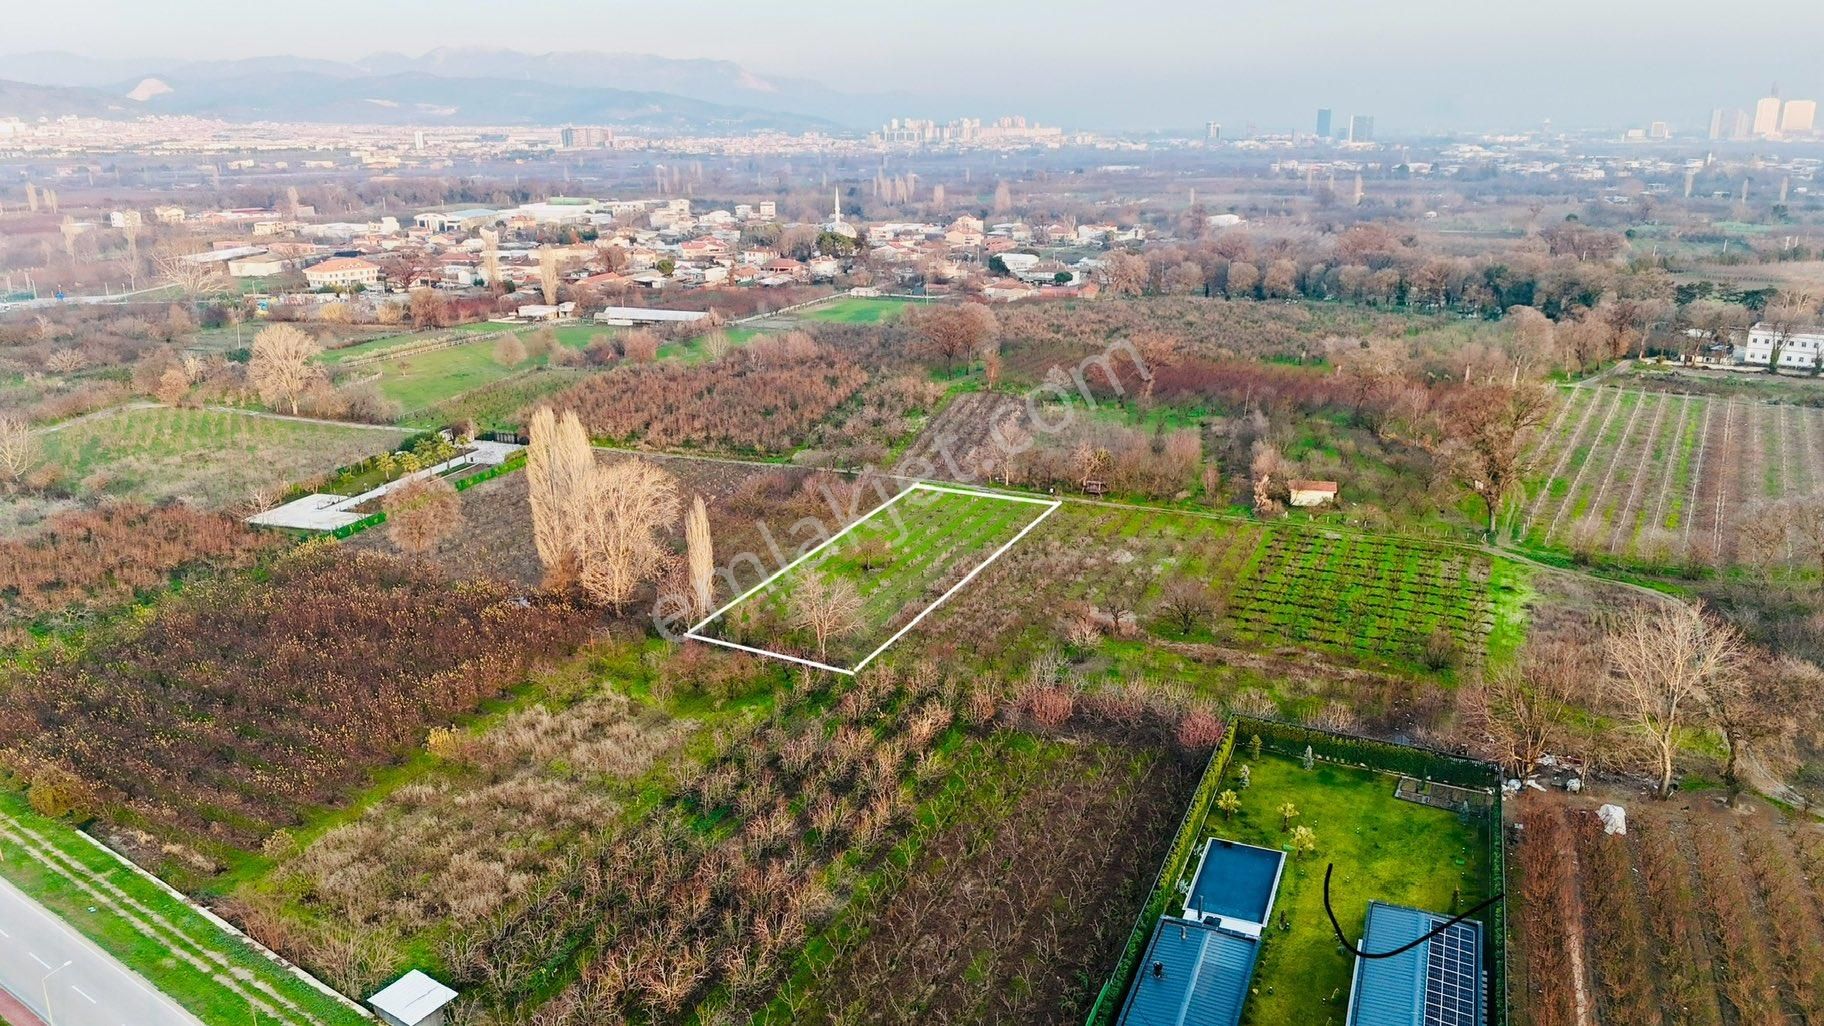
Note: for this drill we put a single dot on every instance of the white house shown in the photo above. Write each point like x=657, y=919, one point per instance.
x=1801, y=349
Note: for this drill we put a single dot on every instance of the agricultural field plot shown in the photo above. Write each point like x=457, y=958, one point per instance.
x=419, y=380
x=1662, y=477
x=1084, y=823
x=854, y=310
x=1370, y=597
x=897, y=565
x=212, y=457
x=1699, y=915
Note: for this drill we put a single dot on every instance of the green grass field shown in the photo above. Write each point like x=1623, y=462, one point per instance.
x=73, y=887
x=900, y=559
x=855, y=310
x=1384, y=849
x=214, y=457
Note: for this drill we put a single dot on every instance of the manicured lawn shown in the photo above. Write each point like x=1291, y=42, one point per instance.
x=1384, y=849
x=900, y=559
x=215, y=457
x=196, y=989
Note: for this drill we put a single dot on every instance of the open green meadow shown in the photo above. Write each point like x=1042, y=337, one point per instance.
x=213, y=457
x=900, y=559
x=855, y=310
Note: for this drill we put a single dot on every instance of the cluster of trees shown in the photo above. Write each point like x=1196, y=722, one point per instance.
x=240, y=703
x=760, y=398
x=600, y=527
x=1659, y=670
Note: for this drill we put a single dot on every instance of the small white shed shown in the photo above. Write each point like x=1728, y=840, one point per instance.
x=412, y=1000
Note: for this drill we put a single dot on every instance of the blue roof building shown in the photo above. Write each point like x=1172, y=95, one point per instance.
x=1198, y=967
x=1439, y=983
x=1194, y=974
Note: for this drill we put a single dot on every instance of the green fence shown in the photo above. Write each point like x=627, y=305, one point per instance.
x=1108, y=1002
x=1424, y=763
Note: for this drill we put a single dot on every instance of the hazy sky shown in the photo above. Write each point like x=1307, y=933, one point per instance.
x=1415, y=64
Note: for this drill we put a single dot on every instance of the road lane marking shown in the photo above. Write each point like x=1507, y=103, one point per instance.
x=78, y=990
x=38, y=960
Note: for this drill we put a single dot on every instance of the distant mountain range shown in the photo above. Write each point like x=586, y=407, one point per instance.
x=444, y=86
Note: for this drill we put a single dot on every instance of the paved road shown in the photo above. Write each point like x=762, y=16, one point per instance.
x=92, y=990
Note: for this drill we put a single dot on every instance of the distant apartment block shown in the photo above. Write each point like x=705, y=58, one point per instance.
x=1798, y=117
x=1361, y=128
x=1766, y=116
x=1212, y=131
x=585, y=138
x=1323, y=122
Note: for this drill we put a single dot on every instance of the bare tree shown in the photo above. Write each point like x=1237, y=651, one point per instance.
x=490, y=256
x=951, y=333
x=700, y=554
x=1804, y=518
x=558, y=464
x=18, y=449
x=1664, y=661
x=1485, y=430
x=421, y=513
x=1188, y=602
x=1762, y=711
x=628, y=504
x=1523, y=705
x=191, y=278
x=281, y=369
x=829, y=607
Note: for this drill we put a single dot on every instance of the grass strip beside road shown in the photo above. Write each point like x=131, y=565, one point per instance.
x=120, y=931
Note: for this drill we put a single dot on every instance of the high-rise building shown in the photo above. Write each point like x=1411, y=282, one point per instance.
x=1361, y=128
x=1212, y=131
x=581, y=138
x=1798, y=117
x=1717, y=123
x=1766, y=116
x=1659, y=130
x=1323, y=122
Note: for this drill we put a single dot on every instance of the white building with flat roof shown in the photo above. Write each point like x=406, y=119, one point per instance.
x=1790, y=349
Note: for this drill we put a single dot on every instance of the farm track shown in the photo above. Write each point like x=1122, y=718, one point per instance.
x=1673, y=461
x=1730, y=461
x=1627, y=518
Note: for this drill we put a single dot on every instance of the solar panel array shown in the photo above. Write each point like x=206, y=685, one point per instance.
x=1453, y=980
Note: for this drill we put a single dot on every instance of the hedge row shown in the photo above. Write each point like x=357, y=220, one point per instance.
x=1292, y=739
x=1184, y=845
x=462, y=484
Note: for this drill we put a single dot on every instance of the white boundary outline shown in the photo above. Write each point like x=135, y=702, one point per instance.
x=1051, y=506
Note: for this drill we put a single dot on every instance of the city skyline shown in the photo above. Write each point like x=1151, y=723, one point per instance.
x=1415, y=69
